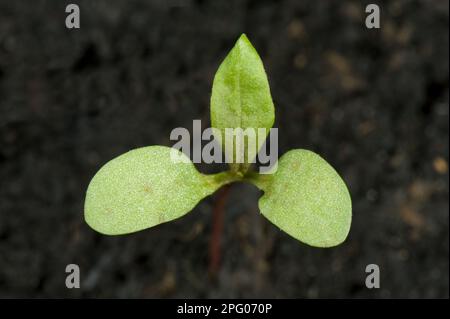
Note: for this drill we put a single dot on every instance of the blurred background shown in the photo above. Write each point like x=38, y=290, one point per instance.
x=373, y=102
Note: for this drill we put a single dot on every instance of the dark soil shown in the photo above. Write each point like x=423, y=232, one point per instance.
x=374, y=103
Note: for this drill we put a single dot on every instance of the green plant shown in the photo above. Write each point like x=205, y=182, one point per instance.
x=305, y=197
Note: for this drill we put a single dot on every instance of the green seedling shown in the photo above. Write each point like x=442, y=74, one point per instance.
x=305, y=196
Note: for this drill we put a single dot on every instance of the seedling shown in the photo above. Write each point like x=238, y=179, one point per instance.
x=305, y=196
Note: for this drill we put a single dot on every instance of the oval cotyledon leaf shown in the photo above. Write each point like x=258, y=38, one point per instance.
x=143, y=188
x=307, y=199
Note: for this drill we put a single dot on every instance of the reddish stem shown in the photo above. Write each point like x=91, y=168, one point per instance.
x=217, y=226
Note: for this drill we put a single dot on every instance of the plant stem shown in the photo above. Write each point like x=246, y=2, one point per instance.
x=217, y=226
x=260, y=180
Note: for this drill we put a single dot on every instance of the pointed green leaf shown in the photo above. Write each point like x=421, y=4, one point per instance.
x=307, y=199
x=241, y=98
x=143, y=188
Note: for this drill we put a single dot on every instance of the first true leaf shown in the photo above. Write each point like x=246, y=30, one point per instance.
x=241, y=98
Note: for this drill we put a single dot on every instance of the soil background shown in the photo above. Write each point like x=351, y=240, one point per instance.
x=373, y=102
